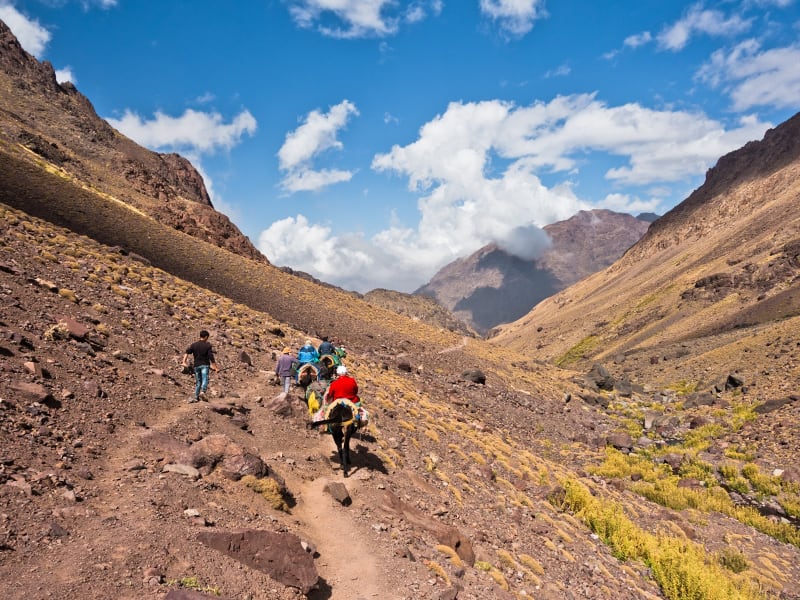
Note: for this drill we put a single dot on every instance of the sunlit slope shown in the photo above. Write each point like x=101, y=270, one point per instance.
x=725, y=259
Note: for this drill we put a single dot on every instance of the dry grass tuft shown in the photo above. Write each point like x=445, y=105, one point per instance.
x=269, y=489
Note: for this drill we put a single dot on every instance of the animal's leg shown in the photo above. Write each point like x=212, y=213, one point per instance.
x=348, y=435
x=338, y=437
x=346, y=449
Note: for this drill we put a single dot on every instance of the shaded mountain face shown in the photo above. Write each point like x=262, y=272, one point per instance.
x=491, y=286
x=54, y=125
x=717, y=276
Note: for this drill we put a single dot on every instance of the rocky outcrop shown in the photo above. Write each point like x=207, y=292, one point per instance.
x=280, y=555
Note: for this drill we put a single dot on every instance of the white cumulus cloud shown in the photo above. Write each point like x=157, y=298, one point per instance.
x=755, y=77
x=628, y=203
x=527, y=242
x=699, y=20
x=317, y=134
x=638, y=39
x=360, y=18
x=30, y=34
x=514, y=17
x=195, y=131
x=476, y=171
x=65, y=74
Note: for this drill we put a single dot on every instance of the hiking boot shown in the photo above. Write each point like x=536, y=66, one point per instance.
x=192, y=399
x=202, y=397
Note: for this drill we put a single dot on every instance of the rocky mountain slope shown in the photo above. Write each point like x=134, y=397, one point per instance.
x=54, y=126
x=479, y=476
x=419, y=308
x=491, y=286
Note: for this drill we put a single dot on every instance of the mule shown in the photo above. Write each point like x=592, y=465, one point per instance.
x=342, y=419
x=343, y=431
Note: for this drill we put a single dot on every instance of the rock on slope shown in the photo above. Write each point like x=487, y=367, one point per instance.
x=491, y=287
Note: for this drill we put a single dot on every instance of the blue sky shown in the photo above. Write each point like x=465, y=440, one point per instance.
x=371, y=142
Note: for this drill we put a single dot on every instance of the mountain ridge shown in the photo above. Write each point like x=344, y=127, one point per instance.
x=57, y=124
x=491, y=286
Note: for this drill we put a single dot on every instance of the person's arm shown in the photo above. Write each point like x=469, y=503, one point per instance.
x=212, y=360
x=185, y=362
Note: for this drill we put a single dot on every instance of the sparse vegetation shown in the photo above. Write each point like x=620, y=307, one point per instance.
x=56, y=332
x=269, y=489
x=193, y=583
x=733, y=560
x=585, y=346
x=438, y=570
x=680, y=567
x=68, y=295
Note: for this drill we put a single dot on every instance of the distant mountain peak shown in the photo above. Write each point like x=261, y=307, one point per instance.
x=491, y=286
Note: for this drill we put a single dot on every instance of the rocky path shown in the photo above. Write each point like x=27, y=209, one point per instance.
x=348, y=566
x=138, y=525
x=460, y=346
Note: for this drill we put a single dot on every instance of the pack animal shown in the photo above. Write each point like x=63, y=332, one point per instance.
x=342, y=419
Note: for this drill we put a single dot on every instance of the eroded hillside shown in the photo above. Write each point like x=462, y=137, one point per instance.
x=481, y=475
x=50, y=124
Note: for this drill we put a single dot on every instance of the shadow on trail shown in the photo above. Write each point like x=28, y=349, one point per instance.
x=361, y=458
x=323, y=591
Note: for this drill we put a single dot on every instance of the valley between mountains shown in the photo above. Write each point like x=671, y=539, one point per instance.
x=634, y=436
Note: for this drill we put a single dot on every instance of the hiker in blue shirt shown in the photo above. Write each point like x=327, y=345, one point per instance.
x=307, y=354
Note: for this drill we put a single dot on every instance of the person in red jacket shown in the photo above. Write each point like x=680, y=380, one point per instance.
x=343, y=386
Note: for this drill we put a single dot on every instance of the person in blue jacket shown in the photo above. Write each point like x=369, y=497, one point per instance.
x=307, y=354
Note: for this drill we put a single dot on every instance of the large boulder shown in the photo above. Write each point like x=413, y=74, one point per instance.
x=279, y=555
x=475, y=376
x=219, y=450
x=445, y=534
x=599, y=378
x=236, y=466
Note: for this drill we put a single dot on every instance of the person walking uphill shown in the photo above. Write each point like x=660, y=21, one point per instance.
x=284, y=369
x=203, y=355
x=326, y=347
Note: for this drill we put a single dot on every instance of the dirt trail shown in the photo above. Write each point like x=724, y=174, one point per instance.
x=135, y=518
x=459, y=346
x=348, y=566
x=347, y=560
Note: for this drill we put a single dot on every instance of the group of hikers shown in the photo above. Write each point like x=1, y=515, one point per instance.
x=330, y=392
x=318, y=363
x=318, y=370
